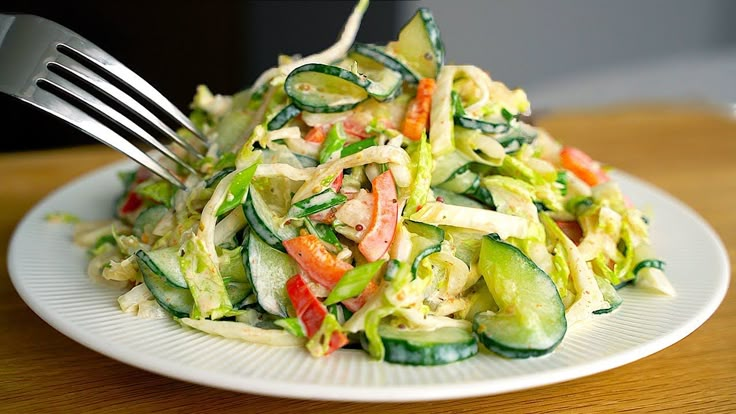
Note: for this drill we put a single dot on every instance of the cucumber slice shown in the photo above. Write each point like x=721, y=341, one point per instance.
x=449, y=165
x=513, y=139
x=319, y=88
x=426, y=239
x=175, y=300
x=437, y=347
x=268, y=270
x=148, y=218
x=384, y=83
x=165, y=263
x=485, y=126
x=420, y=45
x=305, y=161
x=379, y=54
x=467, y=182
x=283, y=116
x=238, y=292
x=479, y=300
x=531, y=317
x=264, y=223
x=457, y=199
x=463, y=181
x=609, y=295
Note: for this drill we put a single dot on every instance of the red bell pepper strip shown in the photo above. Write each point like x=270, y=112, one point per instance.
x=572, y=230
x=316, y=261
x=337, y=182
x=580, y=164
x=316, y=134
x=323, y=267
x=381, y=231
x=353, y=127
x=417, y=116
x=311, y=312
x=132, y=202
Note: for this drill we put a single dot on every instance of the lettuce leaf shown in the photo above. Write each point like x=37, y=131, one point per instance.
x=421, y=165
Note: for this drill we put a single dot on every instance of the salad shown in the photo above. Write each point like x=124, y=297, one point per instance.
x=372, y=196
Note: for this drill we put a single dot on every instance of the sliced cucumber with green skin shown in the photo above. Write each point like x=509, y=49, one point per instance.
x=634, y=275
x=283, y=116
x=438, y=347
x=305, y=161
x=448, y=166
x=515, y=138
x=531, y=318
x=148, y=218
x=420, y=45
x=482, y=194
x=485, y=126
x=165, y=263
x=654, y=263
x=464, y=120
x=379, y=54
x=609, y=295
x=455, y=199
x=316, y=203
x=263, y=222
x=175, y=300
x=464, y=181
x=238, y=292
x=383, y=83
x=319, y=88
x=427, y=240
x=268, y=270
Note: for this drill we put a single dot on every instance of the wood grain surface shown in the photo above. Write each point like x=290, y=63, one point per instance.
x=689, y=153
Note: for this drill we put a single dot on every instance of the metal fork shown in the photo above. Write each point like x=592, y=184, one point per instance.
x=33, y=53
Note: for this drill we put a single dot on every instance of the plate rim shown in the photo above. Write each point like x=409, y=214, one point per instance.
x=393, y=393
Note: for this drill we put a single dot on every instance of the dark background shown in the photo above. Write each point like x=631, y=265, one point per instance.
x=176, y=45
x=564, y=53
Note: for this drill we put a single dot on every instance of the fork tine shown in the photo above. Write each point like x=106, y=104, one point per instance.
x=82, y=73
x=102, y=60
x=60, y=108
x=102, y=108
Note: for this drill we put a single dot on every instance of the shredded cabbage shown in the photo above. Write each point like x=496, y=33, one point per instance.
x=243, y=331
x=487, y=221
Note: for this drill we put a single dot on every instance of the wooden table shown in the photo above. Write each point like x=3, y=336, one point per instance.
x=689, y=153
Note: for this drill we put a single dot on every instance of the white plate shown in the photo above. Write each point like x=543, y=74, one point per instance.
x=49, y=273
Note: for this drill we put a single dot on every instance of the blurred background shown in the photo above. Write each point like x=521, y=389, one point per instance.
x=564, y=53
